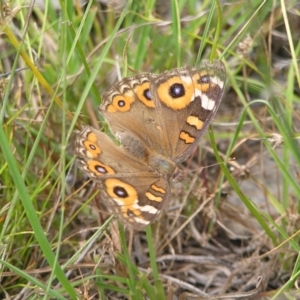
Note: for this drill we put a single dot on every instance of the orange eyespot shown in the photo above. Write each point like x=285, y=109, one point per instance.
x=177, y=92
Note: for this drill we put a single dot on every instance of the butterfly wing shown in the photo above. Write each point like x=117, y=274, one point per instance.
x=186, y=101
x=131, y=114
x=132, y=192
x=165, y=115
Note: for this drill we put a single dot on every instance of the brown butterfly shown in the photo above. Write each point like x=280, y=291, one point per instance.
x=159, y=120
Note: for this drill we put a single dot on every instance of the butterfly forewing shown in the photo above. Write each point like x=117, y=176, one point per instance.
x=208, y=86
x=130, y=111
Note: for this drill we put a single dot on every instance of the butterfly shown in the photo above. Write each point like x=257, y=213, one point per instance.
x=159, y=120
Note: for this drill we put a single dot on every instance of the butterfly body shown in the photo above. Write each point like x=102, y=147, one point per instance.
x=159, y=121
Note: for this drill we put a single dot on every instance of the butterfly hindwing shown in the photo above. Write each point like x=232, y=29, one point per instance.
x=131, y=191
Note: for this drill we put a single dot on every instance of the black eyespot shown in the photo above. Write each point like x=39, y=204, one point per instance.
x=130, y=213
x=177, y=90
x=120, y=192
x=121, y=103
x=101, y=169
x=92, y=146
x=204, y=79
x=147, y=94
